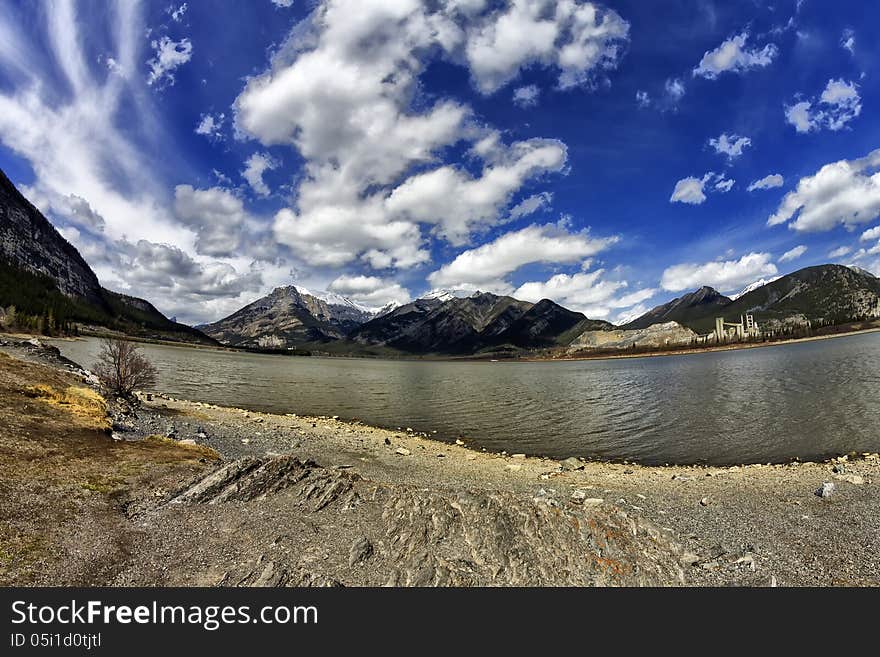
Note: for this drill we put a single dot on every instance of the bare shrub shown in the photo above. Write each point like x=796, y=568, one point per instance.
x=122, y=368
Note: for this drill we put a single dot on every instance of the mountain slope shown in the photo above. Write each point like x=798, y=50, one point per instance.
x=705, y=302
x=831, y=294
x=48, y=282
x=286, y=318
x=828, y=294
x=30, y=242
x=445, y=324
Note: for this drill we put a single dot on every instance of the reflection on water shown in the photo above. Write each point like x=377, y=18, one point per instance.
x=805, y=400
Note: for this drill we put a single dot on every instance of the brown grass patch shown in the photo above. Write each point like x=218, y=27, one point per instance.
x=83, y=403
x=199, y=451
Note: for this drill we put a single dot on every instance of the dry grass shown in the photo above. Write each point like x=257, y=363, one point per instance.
x=63, y=479
x=200, y=451
x=87, y=406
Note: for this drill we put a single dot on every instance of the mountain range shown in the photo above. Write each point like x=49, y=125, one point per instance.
x=45, y=279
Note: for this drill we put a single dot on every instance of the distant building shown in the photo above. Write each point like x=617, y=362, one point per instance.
x=746, y=327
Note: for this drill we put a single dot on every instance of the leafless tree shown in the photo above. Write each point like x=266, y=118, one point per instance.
x=122, y=368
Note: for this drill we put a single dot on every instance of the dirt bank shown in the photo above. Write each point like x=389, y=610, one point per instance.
x=302, y=500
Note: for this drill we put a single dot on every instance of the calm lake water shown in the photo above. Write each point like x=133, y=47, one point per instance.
x=805, y=400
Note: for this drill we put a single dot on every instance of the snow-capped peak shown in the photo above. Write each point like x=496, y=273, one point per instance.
x=334, y=299
x=445, y=294
x=751, y=287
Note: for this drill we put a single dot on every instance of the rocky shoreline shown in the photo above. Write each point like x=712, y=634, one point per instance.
x=316, y=501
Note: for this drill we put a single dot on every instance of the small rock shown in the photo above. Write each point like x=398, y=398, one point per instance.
x=571, y=463
x=459, y=441
x=441, y=455
x=403, y=451
x=689, y=559
x=245, y=441
x=855, y=479
x=517, y=456
x=705, y=501
x=187, y=441
x=826, y=490
x=578, y=496
x=360, y=551
x=387, y=441
x=515, y=467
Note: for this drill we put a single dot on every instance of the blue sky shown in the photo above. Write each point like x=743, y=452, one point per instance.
x=607, y=156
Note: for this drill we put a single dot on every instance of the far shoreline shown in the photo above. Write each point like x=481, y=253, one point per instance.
x=476, y=358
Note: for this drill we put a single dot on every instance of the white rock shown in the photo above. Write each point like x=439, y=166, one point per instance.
x=825, y=490
x=403, y=451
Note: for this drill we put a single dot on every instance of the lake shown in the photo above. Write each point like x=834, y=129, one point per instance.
x=805, y=400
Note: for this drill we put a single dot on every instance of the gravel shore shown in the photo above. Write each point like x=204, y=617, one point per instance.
x=314, y=500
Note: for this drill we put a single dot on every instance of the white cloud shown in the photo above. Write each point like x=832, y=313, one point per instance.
x=530, y=205
x=845, y=192
x=577, y=38
x=371, y=291
x=283, y=3
x=726, y=275
x=871, y=234
x=767, y=182
x=724, y=185
x=255, y=166
x=340, y=91
x=691, y=190
x=730, y=145
x=848, y=40
x=457, y=202
x=839, y=252
x=793, y=254
x=526, y=96
x=216, y=216
x=168, y=56
x=210, y=126
x=642, y=98
x=675, y=89
x=177, y=13
x=586, y=292
x=487, y=266
x=733, y=55
x=838, y=104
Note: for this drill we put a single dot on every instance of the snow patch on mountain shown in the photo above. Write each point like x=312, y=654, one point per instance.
x=751, y=287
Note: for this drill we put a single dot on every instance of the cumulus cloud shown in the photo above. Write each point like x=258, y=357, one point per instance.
x=586, y=292
x=216, y=216
x=371, y=291
x=526, y=96
x=767, y=182
x=793, y=254
x=486, y=267
x=839, y=252
x=210, y=126
x=168, y=56
x=255, y=166
x=375, y=176
x=643, y=99
x=283, y=3
x=574, y=37
x=725, y=275
x=689, y=190
x=733, y=55
x=730, y=145
x=455, y=201
x=693, y=190
x=841, y=193
x=871, y=234
x=838, y=104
